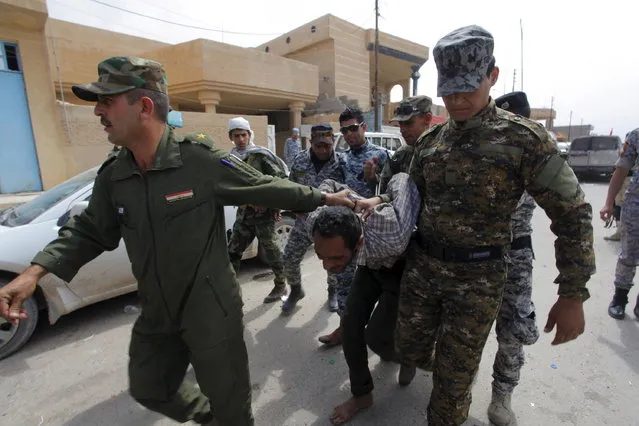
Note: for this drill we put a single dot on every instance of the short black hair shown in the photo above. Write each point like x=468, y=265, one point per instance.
x=160, y=101
x=339, y=221
x=351, y=113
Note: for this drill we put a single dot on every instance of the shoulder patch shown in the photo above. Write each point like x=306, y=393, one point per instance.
x=431, y=131
x=536, y=128
x=200, y=139
x=110, y=159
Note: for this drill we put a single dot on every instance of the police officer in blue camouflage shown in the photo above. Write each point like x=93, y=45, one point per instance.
x=629, y=256
x=516, y=324
x=310, y=167
x=362, y=159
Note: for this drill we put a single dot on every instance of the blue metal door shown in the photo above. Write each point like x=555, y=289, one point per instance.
x=19, y=169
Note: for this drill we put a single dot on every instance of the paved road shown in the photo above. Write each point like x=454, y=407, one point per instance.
x=74, y=373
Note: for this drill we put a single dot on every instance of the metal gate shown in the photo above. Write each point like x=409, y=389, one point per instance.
x=19, y=169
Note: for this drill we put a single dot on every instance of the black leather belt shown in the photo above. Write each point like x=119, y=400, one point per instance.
x=461, y=254
x=521, y=243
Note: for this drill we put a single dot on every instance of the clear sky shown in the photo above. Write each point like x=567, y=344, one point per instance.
x=581, y=53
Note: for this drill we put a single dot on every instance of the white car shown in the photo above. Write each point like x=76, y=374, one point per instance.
x=25, y=229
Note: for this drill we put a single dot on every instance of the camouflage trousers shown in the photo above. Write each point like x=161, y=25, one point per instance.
x=298, y=244
x=455, y=305
x=629, y=256
x=244, y=234
x=516, y=323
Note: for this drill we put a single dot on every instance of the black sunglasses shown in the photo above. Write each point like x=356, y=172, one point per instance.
x=351, y=128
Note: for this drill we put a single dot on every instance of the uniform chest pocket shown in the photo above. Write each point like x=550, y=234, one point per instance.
x=502, y=156
x=183, y=207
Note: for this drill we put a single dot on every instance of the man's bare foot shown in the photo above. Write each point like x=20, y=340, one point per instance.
x=344, y=412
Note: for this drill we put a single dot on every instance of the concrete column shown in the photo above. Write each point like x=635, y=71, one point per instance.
x=406, y=89
x=210, y=99
x=296, y=109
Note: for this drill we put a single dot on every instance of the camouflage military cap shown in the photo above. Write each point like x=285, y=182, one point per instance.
x=515, y=102
x=462, y=58
x=412, y=106
x=121, y=74
x=322, y=133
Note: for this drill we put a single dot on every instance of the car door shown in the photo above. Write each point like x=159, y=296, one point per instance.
x=604, y=151
x=106, y=276
x=579, y=152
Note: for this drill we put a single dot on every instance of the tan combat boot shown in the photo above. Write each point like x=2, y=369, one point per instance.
x=499, y=411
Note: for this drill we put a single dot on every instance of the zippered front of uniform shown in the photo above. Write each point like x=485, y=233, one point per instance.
x=155, y=254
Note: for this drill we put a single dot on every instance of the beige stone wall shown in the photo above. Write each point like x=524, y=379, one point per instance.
x=352, y=75
x=323, y=56
x=89, y=145
x=41, y=99
x=79, y=49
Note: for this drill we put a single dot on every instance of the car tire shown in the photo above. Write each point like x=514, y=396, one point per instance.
x=13, y=337
x=283, y=229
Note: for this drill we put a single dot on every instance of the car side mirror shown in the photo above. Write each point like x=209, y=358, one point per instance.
x=77, y=208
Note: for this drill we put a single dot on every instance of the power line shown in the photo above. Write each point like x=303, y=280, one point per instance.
x=155, y=36
x=195, y=27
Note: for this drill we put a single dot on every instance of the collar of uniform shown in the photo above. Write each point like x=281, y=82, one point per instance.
x=167, y=156
x=475, y=122
x=360, y=148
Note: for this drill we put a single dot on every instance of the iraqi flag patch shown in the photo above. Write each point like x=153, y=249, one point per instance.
x=179, y=196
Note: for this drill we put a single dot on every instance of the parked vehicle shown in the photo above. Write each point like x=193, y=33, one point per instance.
x=564, y=147
x=27, y=228
x=388, y=141
x=594, y=154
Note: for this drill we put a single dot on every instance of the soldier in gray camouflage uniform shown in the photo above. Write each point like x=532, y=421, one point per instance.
x=516, y=324
x=310, y=167
x=471, y=172
x=629, y=256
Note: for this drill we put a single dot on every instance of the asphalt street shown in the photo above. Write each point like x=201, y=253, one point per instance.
x=74, y=373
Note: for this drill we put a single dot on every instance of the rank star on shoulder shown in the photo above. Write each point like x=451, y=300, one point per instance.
x=200, y=136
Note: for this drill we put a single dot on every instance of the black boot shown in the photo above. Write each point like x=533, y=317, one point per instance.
x=617, y=308
x=636, y=310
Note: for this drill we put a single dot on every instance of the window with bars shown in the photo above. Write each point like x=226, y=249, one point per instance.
x=9, y=59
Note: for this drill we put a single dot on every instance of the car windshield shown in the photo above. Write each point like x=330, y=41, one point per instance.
x=605, y=143
x=25, y=213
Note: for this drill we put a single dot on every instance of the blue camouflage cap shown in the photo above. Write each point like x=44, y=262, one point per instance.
x=462, y=58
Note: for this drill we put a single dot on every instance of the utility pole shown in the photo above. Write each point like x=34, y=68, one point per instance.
x=521, y=28
x=514, y=76
x=376, y=87
x=569, y=125
x=552, y=103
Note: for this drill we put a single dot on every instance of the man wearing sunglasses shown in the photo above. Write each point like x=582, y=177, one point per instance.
x=353, y=127
x=414, y=117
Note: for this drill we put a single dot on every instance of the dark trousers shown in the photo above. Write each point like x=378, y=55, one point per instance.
x=360, y=328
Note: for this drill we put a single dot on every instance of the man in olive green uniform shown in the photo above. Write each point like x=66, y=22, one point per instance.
x=164, y=194
x=414, y=117
x=251, y=220
x=471, y=171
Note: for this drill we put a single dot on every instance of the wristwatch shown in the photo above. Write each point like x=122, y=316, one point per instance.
x=323, y=199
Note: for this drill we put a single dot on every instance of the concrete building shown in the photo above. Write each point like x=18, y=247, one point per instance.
x=49, y=135
x=573, y=131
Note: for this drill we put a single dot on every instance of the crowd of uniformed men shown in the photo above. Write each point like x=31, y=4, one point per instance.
x=456, y=201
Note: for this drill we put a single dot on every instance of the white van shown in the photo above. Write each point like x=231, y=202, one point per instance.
x=389, y=141
x=594, y=154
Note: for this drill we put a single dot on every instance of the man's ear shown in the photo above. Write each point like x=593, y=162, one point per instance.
x=148, y=107
x=494, y=75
